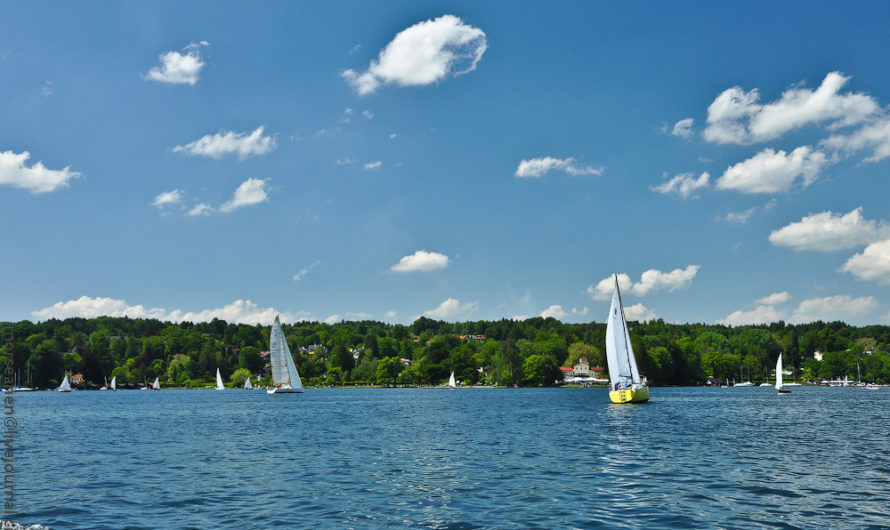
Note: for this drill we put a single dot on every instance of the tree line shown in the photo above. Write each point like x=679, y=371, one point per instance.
x=501, y=352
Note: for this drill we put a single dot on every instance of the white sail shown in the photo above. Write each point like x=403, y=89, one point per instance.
x=219, y=382
x=157, y=384
x=247, y=384
x=779, y=373
x=284, y=373
x=451, y=381
x=65, y=386
x=619, y=352
x=114, y=383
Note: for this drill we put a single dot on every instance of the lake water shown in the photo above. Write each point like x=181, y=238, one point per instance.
x=468, y=458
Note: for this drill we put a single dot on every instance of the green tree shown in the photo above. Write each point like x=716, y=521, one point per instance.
x=539, y=370
x=239, y=376
x=388, y=370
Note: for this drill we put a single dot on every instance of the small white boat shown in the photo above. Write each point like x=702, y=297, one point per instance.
x=114, y=383
x=765, y=384
x=219, y=382
x=157, y=384
x=65, y=386
x=451, y=382
x=285, y=379
x=746, y=383
x=247, y=384
x=870, y=386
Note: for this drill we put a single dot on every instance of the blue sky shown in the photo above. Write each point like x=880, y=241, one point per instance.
x=479, y=160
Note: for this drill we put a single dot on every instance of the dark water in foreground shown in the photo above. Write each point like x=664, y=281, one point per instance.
x=693, y=457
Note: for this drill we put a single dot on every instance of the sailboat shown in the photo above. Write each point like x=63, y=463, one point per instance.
x=247, y=385
x=105, y=386
x=219, y=383
x=114, y=383
x=451, y=382
x=779, y=377
x=157, y=384
x=65, y=386
x=285, y=379
x=626, y=385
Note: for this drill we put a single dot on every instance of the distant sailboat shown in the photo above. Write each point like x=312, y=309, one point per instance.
x=219, y=383
x=105, y=386
x=114, y=383
x=779, y=377
x=626, y=385
x=285, y=379
x=451, y=382
x=247, y=384
x=157, y=384
x=65, y=386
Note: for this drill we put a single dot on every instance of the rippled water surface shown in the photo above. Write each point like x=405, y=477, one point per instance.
x=468, y=458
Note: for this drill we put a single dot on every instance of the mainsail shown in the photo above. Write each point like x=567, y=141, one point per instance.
x=157, y=384
x=219, y=382
x=284, y=372
x=114, y=383
x=65, y=386
x=247, y=384
x=779, y=373
x=619, y=352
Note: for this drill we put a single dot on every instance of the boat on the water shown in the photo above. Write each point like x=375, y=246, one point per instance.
x=626, y=385
x=157, y=384
x=779, y=387
x=247, y=385
x=285, y=379
x=746, y=383
x=219, y=382
x=65, y=386
x=114, y=383
x=451, y=382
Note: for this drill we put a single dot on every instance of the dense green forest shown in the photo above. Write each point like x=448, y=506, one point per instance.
x=503, y=352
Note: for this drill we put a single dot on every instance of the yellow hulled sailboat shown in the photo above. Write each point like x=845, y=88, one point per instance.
x=626, y=385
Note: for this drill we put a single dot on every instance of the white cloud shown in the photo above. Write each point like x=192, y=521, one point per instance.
x=345, y=161
x=226, y=142
x=831, y=308
x=684, y=185
x=873, y=264
x=639, y=312
x=735, y=116
x=683, y=128
x=373, y=165
x=239, y=311
x=556, y=311
x=775, y=299
x=367, y=114
x=538, y=167
x=251, y=191
x=37, y=178
x=421, y=261
x=179, y=68
x=771, y=171
x=451, y=309
x=303, y=272
x=168, y=198
x=47, y=89
x=333, y=319
x=874, y=135
x=762, y=314
x=391, y=315
x=200, y=209
x=392, y=136
x=826, y=231
x=424, y=53
x=740, y=217
x=651, y=280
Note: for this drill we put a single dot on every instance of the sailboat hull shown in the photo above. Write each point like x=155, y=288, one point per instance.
x=285, y=391
x=630, y=395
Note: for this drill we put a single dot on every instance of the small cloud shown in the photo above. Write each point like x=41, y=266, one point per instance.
x=226, y=142
x=345, y=161
x=775, y=299
x=200, y=209
x=557, y=312
x=333, y=319
x=651, y=280
x=179, y=68
x=168, y=198
x=421, y=261
x=47, y=89
x=390, y=315
x=683, y=128
x=303, y=272
x=827, y=231
x=684, y=185
x=392, y=136
x=15, y=172
x=831, y=308
x=373, y=165
x=538, y=167
x=740, y=217
x=422, y=54
x=771, y=171
x=640, y=313
x=762, y=314
x=354, y=49
x=872, y=264
x=367, y=114
x=251, y=191
x=451, y=309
